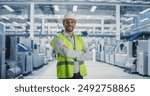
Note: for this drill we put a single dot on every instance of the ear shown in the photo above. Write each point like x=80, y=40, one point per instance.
x=63, y=22
x=75, y=22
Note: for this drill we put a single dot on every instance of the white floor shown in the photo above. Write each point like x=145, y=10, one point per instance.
x=96, y=70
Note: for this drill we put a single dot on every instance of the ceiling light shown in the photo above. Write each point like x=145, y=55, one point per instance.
x=87, y=17
x=23, y=27
x=56, y=7
x=144, y=19
x=123, y=28
x=144, y=11
x=129, y=19
x=2, y=23
x=28, y=23
x=75, y=8
x=130, y=15
x=21, y=17
x=15, y=23
x=8, y=8
x=12, y=27
x=93, y=8
x=131, y=25
x=111, y=28
x=5, y=17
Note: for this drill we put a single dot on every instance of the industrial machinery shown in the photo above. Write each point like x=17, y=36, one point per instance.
x=13, y=70
x=12, y=65
x=38, y=54
x=25, y=54
x=46, y=49
x=25, y=58
x=98, y=52
x=121, y=55
x=130, y=64
x=142, y=61
x=112, y=55
x=149, y=57
x=102, y=50
x=2, y=53
x=107, y=54
x=110, y=44
x=125, y=56
x=48, y=52
x=8, y=59
x=142, y=57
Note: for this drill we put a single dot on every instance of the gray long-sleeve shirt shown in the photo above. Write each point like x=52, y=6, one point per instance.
x=69, y=53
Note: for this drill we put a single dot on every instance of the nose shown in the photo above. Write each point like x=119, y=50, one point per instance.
x=69, y=23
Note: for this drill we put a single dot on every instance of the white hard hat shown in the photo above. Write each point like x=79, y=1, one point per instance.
x=69, y=15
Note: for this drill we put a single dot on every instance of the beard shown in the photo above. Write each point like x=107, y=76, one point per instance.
x=69, y=29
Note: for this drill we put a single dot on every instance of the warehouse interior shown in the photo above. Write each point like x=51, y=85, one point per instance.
x=117, y=33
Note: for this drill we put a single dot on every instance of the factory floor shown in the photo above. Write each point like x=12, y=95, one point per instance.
x=96, y=70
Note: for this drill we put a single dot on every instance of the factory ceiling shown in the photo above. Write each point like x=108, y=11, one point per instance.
x=16, y=15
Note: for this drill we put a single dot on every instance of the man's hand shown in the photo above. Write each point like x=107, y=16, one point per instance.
x=85, y=56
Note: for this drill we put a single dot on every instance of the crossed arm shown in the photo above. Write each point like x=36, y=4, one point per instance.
x=64, y=51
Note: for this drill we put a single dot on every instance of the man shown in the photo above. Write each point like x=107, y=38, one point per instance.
x=70, y=50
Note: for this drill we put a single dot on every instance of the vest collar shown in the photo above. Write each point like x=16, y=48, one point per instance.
x=66, y=34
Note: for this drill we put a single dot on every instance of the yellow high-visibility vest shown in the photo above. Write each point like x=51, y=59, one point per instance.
x=65, y=65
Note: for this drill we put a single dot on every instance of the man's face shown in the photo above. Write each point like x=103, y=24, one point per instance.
x=69, y=25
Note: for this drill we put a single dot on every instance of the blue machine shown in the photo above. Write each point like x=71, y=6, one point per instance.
x=25, y=57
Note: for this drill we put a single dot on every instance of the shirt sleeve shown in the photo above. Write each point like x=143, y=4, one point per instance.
x=86, y=54
x=85, y=47
x=59, y=45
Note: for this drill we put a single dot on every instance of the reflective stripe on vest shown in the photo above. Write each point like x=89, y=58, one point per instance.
x=68, y=62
